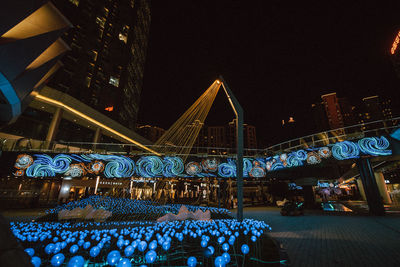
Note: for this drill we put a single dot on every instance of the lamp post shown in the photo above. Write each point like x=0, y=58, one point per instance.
x=237, y=109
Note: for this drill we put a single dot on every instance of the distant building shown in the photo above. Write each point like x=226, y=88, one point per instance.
x=374, y=109
x=224, y=137
x=332, y=110
x=348, y=111
x=320, y=119
x=152, y=133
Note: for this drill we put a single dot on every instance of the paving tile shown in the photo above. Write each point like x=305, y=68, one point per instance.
x=334, y=240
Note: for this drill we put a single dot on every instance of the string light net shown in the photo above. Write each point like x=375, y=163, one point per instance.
x=180, y=137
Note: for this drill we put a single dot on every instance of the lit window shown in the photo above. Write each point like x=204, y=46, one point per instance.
x=93, y=55
x=88, y=81
x=114, y=81
x=74, y=2
x=101, y=21
x=123, y=35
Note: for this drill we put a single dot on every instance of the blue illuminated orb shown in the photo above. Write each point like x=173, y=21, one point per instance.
x=192, y=261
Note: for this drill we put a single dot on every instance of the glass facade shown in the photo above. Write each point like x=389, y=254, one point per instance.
x=97, y=70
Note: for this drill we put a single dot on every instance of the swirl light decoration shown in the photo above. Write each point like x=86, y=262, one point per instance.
x=193, y=168
x=173, y=166
x=247, y=166
x=324, y=152
x=313, y=158
x=375, y=146
x=257, y=172
x=23, y=161
x=293, y=160
x=301, y=154
x=210, y=165
x=345, y=150
x=117, y=166
x=19, y=173
x=149, y=166
x=46, y=166
x=76, y=170
x=96, y=167
x=227, y=169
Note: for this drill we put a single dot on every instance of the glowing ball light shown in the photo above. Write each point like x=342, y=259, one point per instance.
x=192, y=261
x=151, y=256
x=226, y=257
x=219, y=261
x=76, y=261
x=142, y=246
x=36, y=261
x=204, y=243
x=153, y=245
x=73, y=249
x=57, y=259
x=86, y=245
x=210, y=251
x=166, y=245
x=124, y=262
x=113, y=257
x=253, y=238
x=49, y=248
x=30, y=251
x=245, y=249
x=225, y=247
x=129, y=251
x=94, y=251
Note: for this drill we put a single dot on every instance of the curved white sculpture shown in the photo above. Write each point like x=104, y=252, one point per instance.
x=88, y=213
x=185, y=214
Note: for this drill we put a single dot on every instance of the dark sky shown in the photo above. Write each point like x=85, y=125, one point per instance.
x=277, y=56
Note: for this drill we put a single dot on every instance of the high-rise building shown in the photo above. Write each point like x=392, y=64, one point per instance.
x=101, y=75
x=375, y=108
x=224, y=137
x=320, y=119
x=104, y=68
x=332, y=109
x=349, y=112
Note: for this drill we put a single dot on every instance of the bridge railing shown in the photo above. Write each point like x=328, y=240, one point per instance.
x=374, y=128
x=33, y=145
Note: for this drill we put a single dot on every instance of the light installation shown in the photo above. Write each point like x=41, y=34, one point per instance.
x=118, y=166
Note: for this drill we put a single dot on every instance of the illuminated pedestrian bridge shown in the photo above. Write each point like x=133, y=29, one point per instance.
x=33, y=164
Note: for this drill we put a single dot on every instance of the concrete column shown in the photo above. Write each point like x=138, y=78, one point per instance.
x=374, y=198
x=51, y=133
x=380, y=181
x=361, y=189
x=96, y=137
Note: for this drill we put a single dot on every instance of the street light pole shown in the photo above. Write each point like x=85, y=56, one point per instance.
x=237, y=109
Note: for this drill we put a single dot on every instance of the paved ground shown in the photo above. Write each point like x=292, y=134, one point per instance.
x=334, y=240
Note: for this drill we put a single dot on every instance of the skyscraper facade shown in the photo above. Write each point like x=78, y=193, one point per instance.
x=332, y=109
x=105, y=66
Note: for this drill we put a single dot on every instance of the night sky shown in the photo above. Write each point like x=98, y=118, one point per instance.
x=278, y=57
